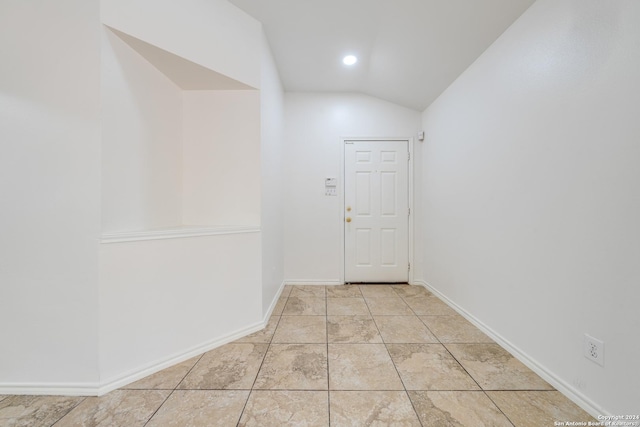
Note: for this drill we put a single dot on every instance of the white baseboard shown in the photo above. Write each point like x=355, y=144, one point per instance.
x=314, y=282
x=138, y=374
x=98, y=389
x=50, y=389
x=562, y=386
x=267, y=315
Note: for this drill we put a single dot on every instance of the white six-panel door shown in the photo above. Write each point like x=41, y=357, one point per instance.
x=376, y=216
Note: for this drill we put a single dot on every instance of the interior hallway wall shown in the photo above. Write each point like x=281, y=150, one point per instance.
x=531, y=197
x=141, y=118
x=49, y=193
x=314, y=126
x=173, y=298
x=72, y=309
x=272, y=177
x=221, y=157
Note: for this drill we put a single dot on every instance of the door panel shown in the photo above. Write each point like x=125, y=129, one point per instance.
x=388, y=156
x=363, y=193
x=376, y=211
x=388, y=196
x=363, y=247
x=363, y=156
x=388, y=241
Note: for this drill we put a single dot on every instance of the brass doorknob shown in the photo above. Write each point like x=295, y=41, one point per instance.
x=348, y=208
x=348, y=219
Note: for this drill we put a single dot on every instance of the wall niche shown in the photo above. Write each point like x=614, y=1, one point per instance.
x=180, y=145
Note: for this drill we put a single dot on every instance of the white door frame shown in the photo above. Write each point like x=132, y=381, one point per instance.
x=342, y=215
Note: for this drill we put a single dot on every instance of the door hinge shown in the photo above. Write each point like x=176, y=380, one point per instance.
x=409, y=269
x=409, y=211
x=408, y=156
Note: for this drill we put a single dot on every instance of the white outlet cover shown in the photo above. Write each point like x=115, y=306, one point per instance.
x=594, y=349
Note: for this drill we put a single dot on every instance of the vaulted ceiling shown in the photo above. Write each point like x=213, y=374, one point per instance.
x=409, y=51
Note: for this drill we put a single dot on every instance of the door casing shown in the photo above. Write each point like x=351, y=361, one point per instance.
x=341, y=216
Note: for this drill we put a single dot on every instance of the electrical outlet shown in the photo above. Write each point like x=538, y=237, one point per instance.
x=594, y=349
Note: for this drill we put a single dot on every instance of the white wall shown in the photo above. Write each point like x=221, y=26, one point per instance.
x=162, y=299
x=218, y=36
x=78, y=317
x=531, y=193
x=272, y=177
x=49, y=193
x=314, y=124
x=221, y=155
x=141, y=141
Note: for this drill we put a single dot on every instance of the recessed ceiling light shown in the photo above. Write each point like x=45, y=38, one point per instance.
x=349, y=60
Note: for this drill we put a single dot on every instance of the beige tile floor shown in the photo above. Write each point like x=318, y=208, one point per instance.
x=369, y=355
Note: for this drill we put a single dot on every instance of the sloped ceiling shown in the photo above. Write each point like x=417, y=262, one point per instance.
x=185, y=74
x=409, y=51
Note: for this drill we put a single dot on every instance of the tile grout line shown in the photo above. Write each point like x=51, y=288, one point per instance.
x=189, y=371
x=264, y=358
x=413, y=406
x=457, y=361
x=158, y=408
x=498, y=407
x=404, y=386
x=244, y=407
x=68, y=412
x=173, y=390
x=447, y=350
x=394, y=363
x=465, y=370
x=326, y=325
x=481, y=388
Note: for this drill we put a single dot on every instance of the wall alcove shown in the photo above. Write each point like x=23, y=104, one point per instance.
x=133, y=235
x=180, y=145
x=180, y=225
